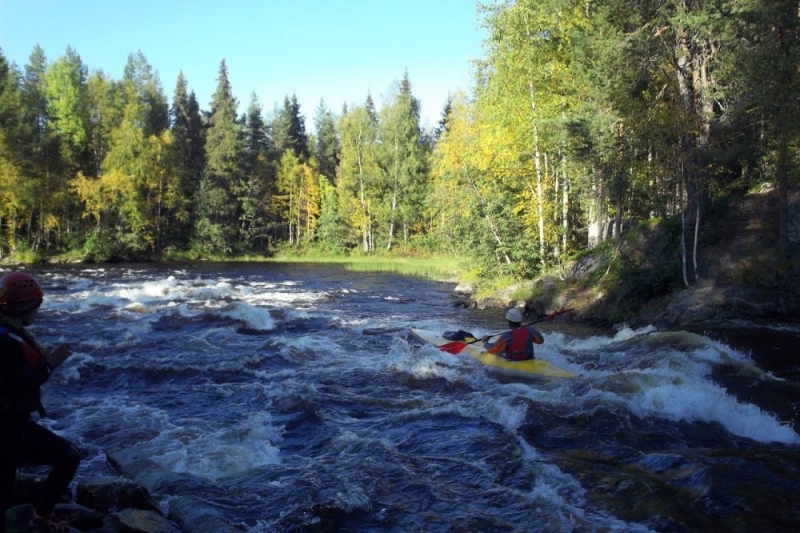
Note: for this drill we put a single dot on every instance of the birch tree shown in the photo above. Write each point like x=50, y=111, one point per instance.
x=358, y=174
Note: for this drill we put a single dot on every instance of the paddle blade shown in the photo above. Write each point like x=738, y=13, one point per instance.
x=454, y=347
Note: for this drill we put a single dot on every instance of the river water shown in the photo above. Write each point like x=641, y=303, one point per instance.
x=297, y=398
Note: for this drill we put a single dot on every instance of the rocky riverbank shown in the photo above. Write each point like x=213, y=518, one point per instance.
x=97, y=506
x=741, y=273
x=124, y=504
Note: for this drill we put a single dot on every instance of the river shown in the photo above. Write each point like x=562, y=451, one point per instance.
x=296, y=397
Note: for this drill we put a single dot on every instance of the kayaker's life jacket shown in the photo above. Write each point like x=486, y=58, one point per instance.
x=34, y=360
x=521, y=345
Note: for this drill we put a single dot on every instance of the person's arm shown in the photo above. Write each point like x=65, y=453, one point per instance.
x=499, y=345
x=57, y=355
x=536, y=337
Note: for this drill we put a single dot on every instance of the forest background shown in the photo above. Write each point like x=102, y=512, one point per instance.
x=587, y=121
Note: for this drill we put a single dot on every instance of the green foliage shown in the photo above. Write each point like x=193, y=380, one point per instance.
x=289, y=130
x=587, y=119
x=327, y=142
x=217, y=210
x=65, y=90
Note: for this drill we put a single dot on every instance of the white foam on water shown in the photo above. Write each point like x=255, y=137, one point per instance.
x=707, y=402
x=597, y=342
x=154, y=291
x=215, y=292
x=661, y=382
x=257, y=318
x=669, y=376
x=70, y=371
x=508, y=415
x=220, y=452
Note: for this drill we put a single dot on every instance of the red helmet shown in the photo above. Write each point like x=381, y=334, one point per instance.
x=19, y=293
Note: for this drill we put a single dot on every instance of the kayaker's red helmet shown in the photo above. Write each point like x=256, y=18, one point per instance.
x=20, y=294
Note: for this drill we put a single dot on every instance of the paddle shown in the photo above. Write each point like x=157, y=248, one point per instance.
x=455, y=347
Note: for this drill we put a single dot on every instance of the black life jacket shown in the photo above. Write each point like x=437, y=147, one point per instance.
x=34, y=360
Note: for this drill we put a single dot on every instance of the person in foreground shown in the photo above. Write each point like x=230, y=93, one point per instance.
x=24, y=366
x=517, y=343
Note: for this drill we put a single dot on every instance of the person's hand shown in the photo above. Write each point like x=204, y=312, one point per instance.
x=58, y=355
x=486, y=338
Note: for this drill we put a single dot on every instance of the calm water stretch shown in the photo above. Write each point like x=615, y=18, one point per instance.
x=296, y=397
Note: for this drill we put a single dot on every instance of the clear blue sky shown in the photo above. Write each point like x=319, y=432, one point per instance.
x=336, y=50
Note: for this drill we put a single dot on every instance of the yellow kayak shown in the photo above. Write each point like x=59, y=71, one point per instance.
x=527, y=368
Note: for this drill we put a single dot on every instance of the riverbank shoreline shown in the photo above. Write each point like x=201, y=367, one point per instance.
x=742, y=274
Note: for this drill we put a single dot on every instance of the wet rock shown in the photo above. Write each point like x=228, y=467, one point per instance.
x=19, y=519
x=490, y=303
x=464, y=288
x=192, y=514
x=100, y=506
x=113, y=495
x=139, y=521
x=198, y=517
x=80, y=517
x=143, y=470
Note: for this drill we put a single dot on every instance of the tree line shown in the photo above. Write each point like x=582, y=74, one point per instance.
x=585, y=119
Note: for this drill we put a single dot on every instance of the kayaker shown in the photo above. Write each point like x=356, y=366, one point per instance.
x=24, y=366
x=517, y=343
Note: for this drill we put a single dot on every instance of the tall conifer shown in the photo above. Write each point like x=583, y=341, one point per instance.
x=327, y=142
x=289, y=129
x=258, y=180
x=217, y=207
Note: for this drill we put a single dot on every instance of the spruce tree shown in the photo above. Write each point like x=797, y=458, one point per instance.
x=218, y=211
x=186, y=159
x=327, y=142
x=289, y=130
x=258, y=181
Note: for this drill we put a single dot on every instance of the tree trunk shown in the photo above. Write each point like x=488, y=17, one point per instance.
x=783, y=191
x=618, y=217
x=539, y=195
x=683, y=242
x=696, y=237
x=564, y=206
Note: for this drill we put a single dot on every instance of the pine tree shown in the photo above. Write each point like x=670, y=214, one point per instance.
x=218, y=212
x=327, y=142
x=259, y=181
x=289, y=130
x=186, y=160
x=444, y=122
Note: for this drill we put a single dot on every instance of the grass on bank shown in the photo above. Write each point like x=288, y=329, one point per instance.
x=436, y=267
x=431, y=267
